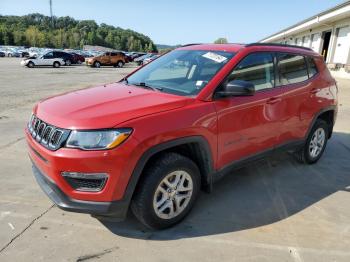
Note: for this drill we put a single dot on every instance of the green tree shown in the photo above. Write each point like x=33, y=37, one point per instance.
x=66, y=32
x=221, y=40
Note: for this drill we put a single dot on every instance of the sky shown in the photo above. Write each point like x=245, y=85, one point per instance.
x=182, y=21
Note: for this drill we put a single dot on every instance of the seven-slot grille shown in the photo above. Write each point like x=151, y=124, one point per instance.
x=49, y=136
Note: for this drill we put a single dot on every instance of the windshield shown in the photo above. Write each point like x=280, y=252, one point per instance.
x=181, y=72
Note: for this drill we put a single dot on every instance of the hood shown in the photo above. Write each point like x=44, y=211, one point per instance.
x=105, y=106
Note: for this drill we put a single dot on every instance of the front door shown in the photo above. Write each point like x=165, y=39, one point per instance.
x=105, y=59
x=47, y=59
x=248, y=125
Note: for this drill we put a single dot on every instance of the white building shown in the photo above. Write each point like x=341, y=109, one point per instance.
x=327, y=33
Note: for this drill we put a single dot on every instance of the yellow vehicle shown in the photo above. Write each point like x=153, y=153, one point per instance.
x=116, y=59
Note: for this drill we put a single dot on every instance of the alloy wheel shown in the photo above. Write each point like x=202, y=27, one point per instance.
x=173, y=194
x=317, y=142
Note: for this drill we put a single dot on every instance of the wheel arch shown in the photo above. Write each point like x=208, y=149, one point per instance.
x=195, y=147
x=327, y=114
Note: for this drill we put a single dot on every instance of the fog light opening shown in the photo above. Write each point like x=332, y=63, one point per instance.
x=86, y=182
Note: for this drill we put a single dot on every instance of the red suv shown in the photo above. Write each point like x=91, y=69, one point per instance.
x=153, y=140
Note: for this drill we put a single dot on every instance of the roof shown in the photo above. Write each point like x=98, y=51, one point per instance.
x=339, y=11
x=256, y=46
x=213, y=47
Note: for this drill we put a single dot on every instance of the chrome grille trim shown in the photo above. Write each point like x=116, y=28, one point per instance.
x=47, y=135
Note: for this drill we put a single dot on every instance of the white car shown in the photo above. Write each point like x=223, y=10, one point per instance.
x=43, y=60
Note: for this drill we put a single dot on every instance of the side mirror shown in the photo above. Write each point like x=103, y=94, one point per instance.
x=236, y=88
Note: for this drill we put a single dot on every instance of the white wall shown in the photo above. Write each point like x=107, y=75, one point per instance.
x=313, y=38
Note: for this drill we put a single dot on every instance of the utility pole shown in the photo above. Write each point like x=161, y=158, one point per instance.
x=51, y=12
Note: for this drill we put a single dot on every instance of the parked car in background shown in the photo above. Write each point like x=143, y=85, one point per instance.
x=11, y=52
x=137, y=54
x=128, y=57
x=116, y=59
x=47, y=59
x=2, y=54
x=66, y=57
x=23, y=53
x=77, y=58
x=83, y=53
x=149, y=59
x=140, y=59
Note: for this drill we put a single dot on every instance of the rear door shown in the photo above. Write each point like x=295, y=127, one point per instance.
x=249, y=125
x=293, y=80
x=114, y=58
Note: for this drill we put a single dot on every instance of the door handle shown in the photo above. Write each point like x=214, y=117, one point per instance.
x=273, y=100
x=315, y=90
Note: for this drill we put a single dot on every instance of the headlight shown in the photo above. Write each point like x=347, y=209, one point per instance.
x=98, y=140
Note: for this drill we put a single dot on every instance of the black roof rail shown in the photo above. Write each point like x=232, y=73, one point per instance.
x=282, y=45
x=191, y=44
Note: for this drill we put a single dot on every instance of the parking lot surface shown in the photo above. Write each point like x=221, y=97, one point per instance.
x=273, y=210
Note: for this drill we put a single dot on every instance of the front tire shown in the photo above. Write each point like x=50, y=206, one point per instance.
x=68, y=62
x=167, y=191
x=97, y=64
x=30, y=64
x=315, y=143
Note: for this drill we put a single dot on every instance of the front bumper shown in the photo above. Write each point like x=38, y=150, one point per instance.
x=112, y=162
x=115, y=209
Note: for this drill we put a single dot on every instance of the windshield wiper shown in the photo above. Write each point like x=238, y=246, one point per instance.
x=125, y=80
x=143, y=84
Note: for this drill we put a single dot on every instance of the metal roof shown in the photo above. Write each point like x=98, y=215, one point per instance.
x=346, y=3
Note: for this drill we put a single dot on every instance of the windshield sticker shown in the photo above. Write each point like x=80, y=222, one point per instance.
x=199, y=83
x=215, y=57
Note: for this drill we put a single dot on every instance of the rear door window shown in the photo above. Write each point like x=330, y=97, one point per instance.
x=291, y=68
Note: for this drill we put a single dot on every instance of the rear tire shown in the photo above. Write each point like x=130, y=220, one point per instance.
x=315, y=143
x=167, y=191
x=56, y=64
x=120, y=64
x=68, y=62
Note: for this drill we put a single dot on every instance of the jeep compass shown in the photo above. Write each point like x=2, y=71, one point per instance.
x=150, y=142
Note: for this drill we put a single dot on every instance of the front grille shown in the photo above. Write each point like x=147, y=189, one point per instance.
x=93, y=182
x=47, y=135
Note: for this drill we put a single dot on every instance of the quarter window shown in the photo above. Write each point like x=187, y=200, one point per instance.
x=292, y=69
x=256, y=68
x=312, y=67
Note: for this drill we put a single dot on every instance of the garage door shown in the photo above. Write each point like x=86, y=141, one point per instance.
x=306, y=41
x=299, y=41
x=315, y=42
x=342, y=47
